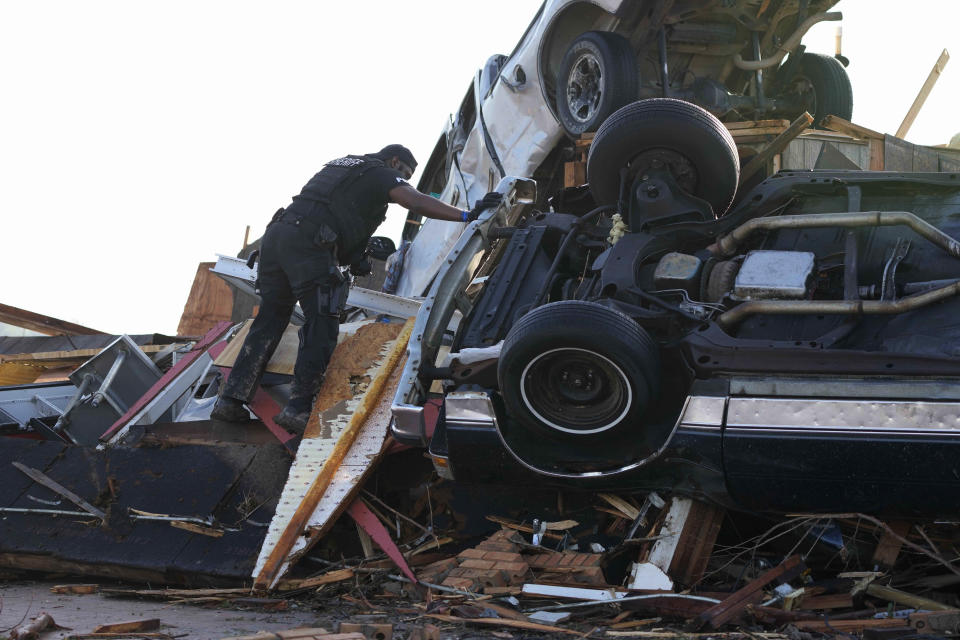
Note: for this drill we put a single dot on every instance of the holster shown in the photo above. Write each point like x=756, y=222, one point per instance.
x=333, y=294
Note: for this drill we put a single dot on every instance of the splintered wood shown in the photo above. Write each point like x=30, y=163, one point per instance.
x=343, y=439
x=348, y=374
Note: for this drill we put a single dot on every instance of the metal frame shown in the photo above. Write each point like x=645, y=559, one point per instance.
x=444, y=299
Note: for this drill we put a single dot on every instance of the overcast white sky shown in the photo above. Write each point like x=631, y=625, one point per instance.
x=140, y=138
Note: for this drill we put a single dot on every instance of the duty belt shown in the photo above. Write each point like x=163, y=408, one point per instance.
x=320, y=231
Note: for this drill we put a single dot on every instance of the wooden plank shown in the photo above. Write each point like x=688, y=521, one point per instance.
x=850, y=626
x=663, y=551
x=46, y=325
x=58, y=488
x=79, y=589
x=832, y=601
x=759, y=131
x=757, y=124
x=283, y=359
x=626, y=509
x=52, y=357
x=725, y=611
x=925, y=90
x=877, y=155
x=503, y=622
x=278, y=557
x=129, y=627
x=838, y=124
x=329, y=577
x=14, y=373
x=696, y=543
x=902, y=597
x=776, y=146
x=898, y=154
x=890, y=543
x=574, y=174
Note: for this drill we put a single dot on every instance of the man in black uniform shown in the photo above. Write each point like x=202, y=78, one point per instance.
x=328, y=224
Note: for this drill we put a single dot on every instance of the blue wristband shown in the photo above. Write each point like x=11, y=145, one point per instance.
x=464, y=216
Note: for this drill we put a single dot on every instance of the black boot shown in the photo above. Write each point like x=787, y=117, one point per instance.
x=293, y=419
x=229, y=410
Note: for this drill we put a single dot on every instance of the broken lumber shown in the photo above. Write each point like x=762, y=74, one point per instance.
x=132, y=626
x=501, y=622
x=890, y=543
x=725, y=611
x=278, y=557
x=310, y=633
x=925, y=90
x=32, y=629
x=902, y=597
x=79, y=589
x=776, y=145
x=330, y=577
x=850, y=626
x=42, y=324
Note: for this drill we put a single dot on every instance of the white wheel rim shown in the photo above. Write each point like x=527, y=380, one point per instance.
x=554, y=425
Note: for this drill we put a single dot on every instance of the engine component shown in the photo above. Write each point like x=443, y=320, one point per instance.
x=774, y=275
x=678, y=271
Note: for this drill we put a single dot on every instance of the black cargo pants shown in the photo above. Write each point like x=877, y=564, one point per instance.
x=293, y=267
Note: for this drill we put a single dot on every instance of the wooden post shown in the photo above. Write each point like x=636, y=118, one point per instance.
x=922, y=96
x=246, y=237
x=776, y=145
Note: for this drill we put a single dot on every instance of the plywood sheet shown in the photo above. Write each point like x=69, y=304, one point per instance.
x=12, y=373
x=210, y=301
x=283, y=358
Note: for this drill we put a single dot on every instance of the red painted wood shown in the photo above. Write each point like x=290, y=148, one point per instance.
x=372, y=525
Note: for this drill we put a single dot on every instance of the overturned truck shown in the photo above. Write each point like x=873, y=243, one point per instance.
x=794, y=347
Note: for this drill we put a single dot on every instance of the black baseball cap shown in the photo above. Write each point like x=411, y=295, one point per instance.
x=405, y=155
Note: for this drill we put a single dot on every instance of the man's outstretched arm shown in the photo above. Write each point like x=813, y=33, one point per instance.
x=424, y=205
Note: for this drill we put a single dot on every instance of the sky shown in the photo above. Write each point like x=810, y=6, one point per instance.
x=138, y=139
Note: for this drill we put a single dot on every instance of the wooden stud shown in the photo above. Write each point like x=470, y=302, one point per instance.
x=776, y=146
x=925, y=90
x=725, y=611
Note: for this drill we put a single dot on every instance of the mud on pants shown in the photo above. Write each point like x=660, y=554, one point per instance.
x=293, y=267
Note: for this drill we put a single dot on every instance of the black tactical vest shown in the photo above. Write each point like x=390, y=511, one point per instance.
x=332, y=187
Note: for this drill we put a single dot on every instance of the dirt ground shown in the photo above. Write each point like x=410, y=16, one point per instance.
x=20, y=601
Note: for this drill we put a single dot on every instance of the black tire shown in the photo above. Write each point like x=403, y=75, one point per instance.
x=597, y=76
x=674, y=126
x=822, y=86
x=578, y=370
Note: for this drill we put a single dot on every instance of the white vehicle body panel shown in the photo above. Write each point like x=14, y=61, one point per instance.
x=523, y=130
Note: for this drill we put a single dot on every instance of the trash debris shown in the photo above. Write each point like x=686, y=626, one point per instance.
x=34, y=628
x=112, y=467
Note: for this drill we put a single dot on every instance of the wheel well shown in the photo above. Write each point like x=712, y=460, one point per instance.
x=570, y=22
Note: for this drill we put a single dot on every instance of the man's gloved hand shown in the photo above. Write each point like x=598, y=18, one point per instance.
x=361, y=267
x=492, y=199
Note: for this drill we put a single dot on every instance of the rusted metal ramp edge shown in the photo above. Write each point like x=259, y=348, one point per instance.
x=341, y=445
